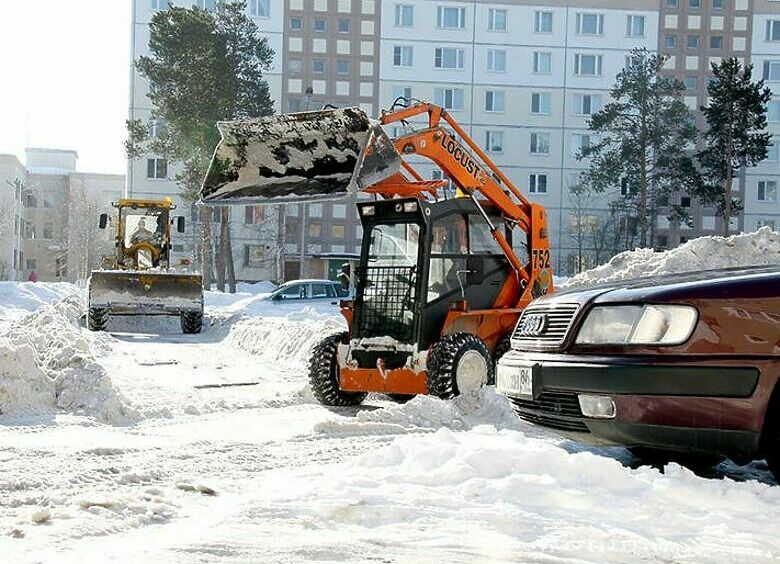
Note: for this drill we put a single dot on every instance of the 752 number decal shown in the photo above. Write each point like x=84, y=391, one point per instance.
x=541, y=259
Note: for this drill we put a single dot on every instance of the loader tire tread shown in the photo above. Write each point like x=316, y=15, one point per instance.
x=443, y=360
x=324, y=374
x=191, y=322
x=97, y=318
x=504, y=346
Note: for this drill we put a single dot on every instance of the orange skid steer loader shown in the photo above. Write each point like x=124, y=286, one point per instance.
x=442, y=277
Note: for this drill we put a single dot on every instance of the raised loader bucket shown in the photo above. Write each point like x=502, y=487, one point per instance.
x=305, y=156
x=146, y=292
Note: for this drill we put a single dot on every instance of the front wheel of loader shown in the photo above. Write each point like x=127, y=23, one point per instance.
x=324, y=374
x=191, y=321
x=97, y=318
x=503, y=346
x=458, y=364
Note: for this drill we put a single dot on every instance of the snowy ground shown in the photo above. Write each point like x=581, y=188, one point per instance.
x=162, y=447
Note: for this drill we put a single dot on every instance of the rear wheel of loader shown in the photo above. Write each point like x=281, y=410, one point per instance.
x=191, y=321
x=324, y=374
x=97, y=318
x=458, y=364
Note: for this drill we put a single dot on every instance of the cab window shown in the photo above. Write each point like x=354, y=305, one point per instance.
x=449, y=247
x=322, y=291
x=294, y=292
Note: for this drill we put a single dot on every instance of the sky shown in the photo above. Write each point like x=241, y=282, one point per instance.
x=64, y=78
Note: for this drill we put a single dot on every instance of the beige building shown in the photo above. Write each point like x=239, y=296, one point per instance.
x=53, y=215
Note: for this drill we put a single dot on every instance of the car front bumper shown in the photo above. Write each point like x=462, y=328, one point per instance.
x=677, y=403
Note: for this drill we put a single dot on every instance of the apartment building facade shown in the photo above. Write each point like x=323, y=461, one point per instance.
x=522, y=77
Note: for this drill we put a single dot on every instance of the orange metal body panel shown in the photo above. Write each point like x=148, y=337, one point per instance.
x=398, y=381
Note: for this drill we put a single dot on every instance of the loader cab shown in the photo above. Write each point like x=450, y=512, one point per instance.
x=418, y=258
x=143, y=234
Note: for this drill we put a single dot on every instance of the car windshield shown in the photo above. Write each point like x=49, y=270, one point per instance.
x=394, y=244
x=143, y=225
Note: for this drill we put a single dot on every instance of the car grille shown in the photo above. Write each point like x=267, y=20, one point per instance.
x=558, y=319
x=556, y=409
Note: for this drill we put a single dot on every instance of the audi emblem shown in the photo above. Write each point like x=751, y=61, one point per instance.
x=532, y=325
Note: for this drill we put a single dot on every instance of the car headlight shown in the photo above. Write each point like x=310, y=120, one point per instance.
x=638, y=325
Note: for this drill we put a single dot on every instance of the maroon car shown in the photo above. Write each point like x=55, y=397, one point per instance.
x=685, y=364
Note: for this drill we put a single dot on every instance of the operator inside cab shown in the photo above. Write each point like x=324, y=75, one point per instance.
x=143, y=235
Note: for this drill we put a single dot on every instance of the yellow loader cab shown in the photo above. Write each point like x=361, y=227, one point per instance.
x=138, y=279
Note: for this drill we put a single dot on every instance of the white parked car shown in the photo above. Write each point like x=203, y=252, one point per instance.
x=309, y=290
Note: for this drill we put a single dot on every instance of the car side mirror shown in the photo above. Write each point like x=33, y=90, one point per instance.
x=475, y=265
x=103, y=220
x=180, y=224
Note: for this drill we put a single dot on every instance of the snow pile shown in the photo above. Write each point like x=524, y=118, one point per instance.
x=489, y=495
x=425, y=413
x=45, y=362
x=19, y=298
x=284, y=339
x=759, y=248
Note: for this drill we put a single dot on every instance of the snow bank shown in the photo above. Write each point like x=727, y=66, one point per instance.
x=284, y=339
x=759, y=248
x=46, y=363
x=427, y=413
x=507, y=497
x=19, y=298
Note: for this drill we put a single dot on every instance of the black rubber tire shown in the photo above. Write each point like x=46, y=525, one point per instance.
x=443, y=360
x=324, y=374
x=503, y=346
x=191, y=322
x=400, y=398
x=97, y=318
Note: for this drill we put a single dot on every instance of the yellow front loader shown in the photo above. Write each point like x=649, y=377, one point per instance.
x=138, y=279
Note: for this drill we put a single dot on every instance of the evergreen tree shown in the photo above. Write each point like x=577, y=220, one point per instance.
x=203, y=68
x=736, y=136
x=642, y=137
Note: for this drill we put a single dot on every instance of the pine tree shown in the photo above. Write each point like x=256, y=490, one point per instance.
x=203, y=68
x=642, y=136
x=736, y=136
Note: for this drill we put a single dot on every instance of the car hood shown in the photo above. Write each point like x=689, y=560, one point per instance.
x=717, y=283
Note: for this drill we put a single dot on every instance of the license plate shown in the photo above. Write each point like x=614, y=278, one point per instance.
x=515, y=380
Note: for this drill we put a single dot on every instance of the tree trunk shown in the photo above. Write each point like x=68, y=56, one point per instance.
x=727, y=190
x=220, y=258
x=205, y=219
x=643, y=199
x=228, y=247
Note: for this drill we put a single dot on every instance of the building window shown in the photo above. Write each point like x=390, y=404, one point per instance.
x=543, y=22
x=494, y=101
x=772, y=70
x=716, y=42
x=208, y=5
x=540, y=143
x=542, y=62
x=579, y=141
x=296, y=23
x=449, y=98
x=156, y=5
x=694, y=3
x=156, y=128
x=692, y=42
x=253, y=215
x=587, y=104
x=318, y=66
x=635, y=26
x=496, y=19
x=31, y=264
x=671, y=3
x=772, y=30
x=30, y=200
x=157, y=168
x=670, y=41
x=338, y=231
x=494, y=141
x=320, y=24
x=691, y=83
x=717, y=4
x=587, y=65
x=404, y=92
x=29, y=230
x=767, y=191
x=343, y=26
x=315, y=210
x=450, y=17
x=260, y=8
x=254, y=256
x=402, y=56
x=496, y=60
x=48, y=230
x=537, y=183
x=540, y=103
x=773, y=111
x=590, y=24
x=404, y=15
x=339, y=211
x=772, y=151
x=342, y=67
x=448, y=58
x=315, y=230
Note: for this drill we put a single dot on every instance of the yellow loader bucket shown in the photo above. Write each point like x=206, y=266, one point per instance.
x=137, y=292
x=297, y=157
